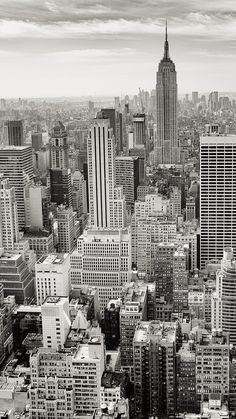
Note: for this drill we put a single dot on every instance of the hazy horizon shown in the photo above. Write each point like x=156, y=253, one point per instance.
x=51, y=48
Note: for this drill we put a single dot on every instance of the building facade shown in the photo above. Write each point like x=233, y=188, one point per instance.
x=167, y=147
x=103, y=260
x=217, y=196
x=16, y=164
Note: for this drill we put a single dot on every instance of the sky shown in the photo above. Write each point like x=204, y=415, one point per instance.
x=113, y=47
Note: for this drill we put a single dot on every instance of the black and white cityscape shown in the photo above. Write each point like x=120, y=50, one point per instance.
x=117, y=209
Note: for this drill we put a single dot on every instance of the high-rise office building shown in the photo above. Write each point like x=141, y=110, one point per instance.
x=79, y=184
x=180, y=280
x=212, y=364
x=103, y=260
x=132, y=311
x=163, y=270
x=13, y=131
x=52, y=276
x=139, y=124
x=115, y=118
x=186, y=379
x=66, y=383
x=9, y=230
x=16, y=278
x=224, y=299
x=59, y=147
x=106, y=203
x=112, y=324
x=217, y=196
x=100, y=172
x=91, y=108
x=37, y=202
x=16, y=164
x=213, y=101
x=195, y=98
x=155, y=346
x=36, y=140
x=167, y=146
x=66, y=229
x=61, y=188
x=127, y=175
x=190, y=209
x=175, y=202
x=55, y=321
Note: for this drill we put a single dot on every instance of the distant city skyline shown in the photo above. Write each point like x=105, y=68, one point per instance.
x=52, y=48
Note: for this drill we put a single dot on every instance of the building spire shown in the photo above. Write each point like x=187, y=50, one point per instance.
x=166, y=47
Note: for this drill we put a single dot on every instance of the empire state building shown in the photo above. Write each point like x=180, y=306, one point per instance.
x=167, y=146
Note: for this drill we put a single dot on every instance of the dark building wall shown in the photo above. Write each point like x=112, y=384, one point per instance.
x=112, y=328
x=61, y=189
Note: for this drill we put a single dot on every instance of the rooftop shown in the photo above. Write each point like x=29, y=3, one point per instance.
x=15, y=147
x=37, y=233
x=104, y=234
x=218, y=139
x=10, y=256
x=84, y=351
x=112, y=379
x=28, y=309
x=53, y=259
x=165, y=332
x=54, y=300
x=186, y=354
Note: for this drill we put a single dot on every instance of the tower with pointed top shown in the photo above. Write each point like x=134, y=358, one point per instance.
x=167, y=146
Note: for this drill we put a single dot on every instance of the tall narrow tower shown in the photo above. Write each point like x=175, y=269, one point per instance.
x=167, y=147
x=106, y=201
x=59, y=147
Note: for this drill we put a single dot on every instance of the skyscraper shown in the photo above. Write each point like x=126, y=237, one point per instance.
x=217, y=196
x=167, y=147
x=100, y=172
x=139, y=124
x=103, y=260
x=223, y=300
x=37, y=140
x=52, y=276
x=13, y=131
x=66, y=229
x=16, y=164
x=37, y=200
x=55, y=321
x=61, y=188
x=115, y=118
x=106, y=203
x=154, y=350
x=127, y=175
x=9, y=232
x=59, y=147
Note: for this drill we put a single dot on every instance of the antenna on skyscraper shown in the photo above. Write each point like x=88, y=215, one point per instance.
x=166, y=47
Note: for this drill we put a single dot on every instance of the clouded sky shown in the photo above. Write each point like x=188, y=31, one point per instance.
x=112, y=47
